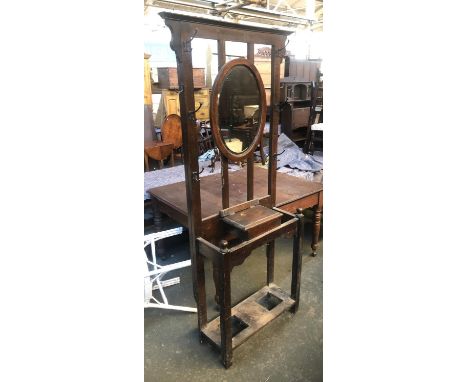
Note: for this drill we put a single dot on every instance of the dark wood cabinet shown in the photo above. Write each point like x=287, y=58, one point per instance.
x=298, y=91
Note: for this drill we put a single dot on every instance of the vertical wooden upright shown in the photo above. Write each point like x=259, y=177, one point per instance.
x=277, y=51
x=182, y=36
x=224, y=161
x=250, y=159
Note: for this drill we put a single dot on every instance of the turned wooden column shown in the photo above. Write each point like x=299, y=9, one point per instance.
x=316, y=232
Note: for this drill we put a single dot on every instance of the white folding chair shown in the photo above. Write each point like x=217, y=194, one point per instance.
x=154, y=272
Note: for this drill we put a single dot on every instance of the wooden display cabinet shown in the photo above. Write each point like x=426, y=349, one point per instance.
x=297, y=93
x=202, y=103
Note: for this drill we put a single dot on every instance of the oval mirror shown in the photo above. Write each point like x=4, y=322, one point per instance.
x=237, y=109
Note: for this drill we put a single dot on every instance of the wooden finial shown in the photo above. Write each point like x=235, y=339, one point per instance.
x=223, y=244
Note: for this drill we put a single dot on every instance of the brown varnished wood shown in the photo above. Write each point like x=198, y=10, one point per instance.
x=224, y=182
x=317, y=220
x=181, y=44
x=214, y=105
x=202, y=202
x=221, y=53
x=297, y=261
x=246, y=247
x=158, y=151
x=290, y=190
x=251, y=175
x=238, y=207
x=225, y=304
x=250, y=160
x=253, y=221
x=250, y=52
x=274, y=117
x=171, y=130
x=221, y=30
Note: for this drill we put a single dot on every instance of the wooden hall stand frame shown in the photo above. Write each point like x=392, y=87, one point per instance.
x=184, y=29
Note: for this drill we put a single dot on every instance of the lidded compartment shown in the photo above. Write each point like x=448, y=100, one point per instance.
x=250, y=219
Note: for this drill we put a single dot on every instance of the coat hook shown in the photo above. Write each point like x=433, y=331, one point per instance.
x=194, y=34
x=199, y=107
x=278, y=51
x=275, y=155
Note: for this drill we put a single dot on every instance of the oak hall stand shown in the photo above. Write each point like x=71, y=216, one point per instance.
x=244, y=226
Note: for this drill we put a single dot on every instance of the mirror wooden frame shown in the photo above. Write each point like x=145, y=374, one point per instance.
x=214, y=105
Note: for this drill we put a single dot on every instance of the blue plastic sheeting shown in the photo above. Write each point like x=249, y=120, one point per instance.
x=292, y=156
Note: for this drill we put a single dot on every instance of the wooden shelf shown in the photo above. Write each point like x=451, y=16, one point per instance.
x=251, y=315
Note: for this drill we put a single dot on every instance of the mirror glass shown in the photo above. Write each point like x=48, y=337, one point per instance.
x=239, y=109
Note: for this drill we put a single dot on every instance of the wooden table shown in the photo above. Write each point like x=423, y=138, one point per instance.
x=159, y=151
x=291, y=193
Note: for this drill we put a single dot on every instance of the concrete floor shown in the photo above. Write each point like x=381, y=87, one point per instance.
x=288, y=349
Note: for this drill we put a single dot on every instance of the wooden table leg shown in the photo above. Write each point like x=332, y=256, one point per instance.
x=158, y=225
x=297, y=262
x=172, y=158
x=316, y=232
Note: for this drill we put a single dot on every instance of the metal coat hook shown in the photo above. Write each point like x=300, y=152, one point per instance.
x=191, y=114
x=278, y=51
x=199, y=107
x=274, y=156
x=277, y=155
x=193, y=35
x=186, y=44
x=195, y=175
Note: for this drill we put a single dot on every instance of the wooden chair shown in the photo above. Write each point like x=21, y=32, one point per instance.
x=171, y=131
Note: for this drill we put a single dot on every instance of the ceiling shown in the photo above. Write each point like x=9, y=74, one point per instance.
x=297, y=14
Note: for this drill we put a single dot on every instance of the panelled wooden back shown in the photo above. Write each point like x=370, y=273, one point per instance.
x=171, y=130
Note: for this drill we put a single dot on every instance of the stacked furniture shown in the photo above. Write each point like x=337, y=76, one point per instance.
x=298, y=92
x=153, y=148
x=168, y=82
